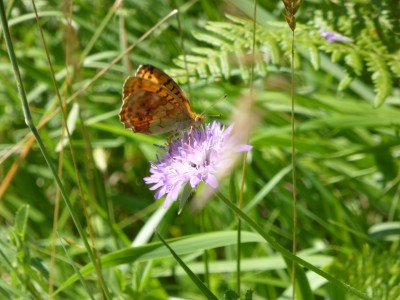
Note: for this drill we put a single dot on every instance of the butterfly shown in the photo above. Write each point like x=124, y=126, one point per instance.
x=152, y=103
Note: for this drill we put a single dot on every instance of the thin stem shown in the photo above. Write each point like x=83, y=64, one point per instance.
x=48, y=117
x=100, y=29
x=68, y=15
x=245, y=154
x=239, y=251
x=294, y=247
x=62, y=105
x=29, y=139
x=291, y=7
x=182, y=42
x=205, y=254
x=284, y=252
x=29, y=122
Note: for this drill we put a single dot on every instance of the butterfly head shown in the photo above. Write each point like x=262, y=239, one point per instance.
x=198, y=120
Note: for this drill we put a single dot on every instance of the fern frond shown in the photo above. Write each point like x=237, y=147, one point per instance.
x=313, y=55
x=226, y=52
x=395, y=67
x=370, y=269
x=345, y=82
x=381, y=78
x=354, y=60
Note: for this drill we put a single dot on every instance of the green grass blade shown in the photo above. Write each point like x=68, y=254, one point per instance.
x=288, y=254
x=151, y=251
x=196, y=280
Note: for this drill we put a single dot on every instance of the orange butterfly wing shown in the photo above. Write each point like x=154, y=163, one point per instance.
x=154, y=103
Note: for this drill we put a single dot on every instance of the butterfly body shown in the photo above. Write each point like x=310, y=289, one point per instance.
x=154, y=103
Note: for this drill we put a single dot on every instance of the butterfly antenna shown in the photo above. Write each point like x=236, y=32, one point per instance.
x=212, y=105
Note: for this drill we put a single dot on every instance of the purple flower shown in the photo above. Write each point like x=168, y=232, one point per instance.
x=197, y=156
x=332, y=37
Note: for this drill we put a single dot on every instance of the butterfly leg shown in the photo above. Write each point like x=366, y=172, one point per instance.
x=190, y=133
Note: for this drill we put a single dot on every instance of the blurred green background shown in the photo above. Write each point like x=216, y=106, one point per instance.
x=347, y=122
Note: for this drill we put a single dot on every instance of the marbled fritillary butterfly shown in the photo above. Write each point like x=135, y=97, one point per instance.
x=154, y=103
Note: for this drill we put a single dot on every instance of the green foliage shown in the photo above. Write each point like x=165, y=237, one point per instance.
x=371, y=268
x=227, y=50
x=347, y=152
x=26, y=271
x=232, y=295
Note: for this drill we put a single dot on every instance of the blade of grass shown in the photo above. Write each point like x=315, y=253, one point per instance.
x=32, y=127
x=117, y=4
x=288, y=254
x=184, y=245
x=48, y=117
x=244, y=164
x=62, y=106
x=81, y=279
x=196, y=280
x=291, y=7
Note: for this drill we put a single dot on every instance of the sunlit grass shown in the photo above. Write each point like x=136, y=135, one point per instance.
x=346, y=161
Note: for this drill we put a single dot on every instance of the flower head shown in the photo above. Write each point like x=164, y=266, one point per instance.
x=197, y=156
x=332, y=37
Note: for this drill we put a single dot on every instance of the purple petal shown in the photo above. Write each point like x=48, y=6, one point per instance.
x=197, y=155
x=156, y=186
x=174, y=193
x=160, y=193
x=244, y=148
x=194, y=181
x=332, y=37
x=212, y=181
x=166, y=202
